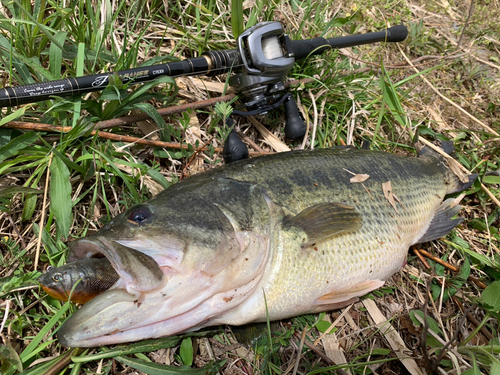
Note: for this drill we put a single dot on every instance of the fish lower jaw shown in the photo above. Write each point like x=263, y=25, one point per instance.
x=117, y=316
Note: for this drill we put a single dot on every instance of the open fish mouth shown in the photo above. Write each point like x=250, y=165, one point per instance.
x=151, y=299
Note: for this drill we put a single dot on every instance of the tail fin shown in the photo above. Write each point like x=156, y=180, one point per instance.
x=443, y=221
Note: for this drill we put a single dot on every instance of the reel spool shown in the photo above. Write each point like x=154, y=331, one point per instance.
x=267, y=56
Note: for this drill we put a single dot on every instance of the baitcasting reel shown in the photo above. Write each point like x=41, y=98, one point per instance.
x=267, y=56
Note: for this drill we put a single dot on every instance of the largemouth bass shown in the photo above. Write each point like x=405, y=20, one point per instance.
x=290, y=226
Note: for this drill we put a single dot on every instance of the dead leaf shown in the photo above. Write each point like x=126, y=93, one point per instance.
x=270, y=138
x=386, y=187
x=401, y=203
x=406, y=323
x=392, y=336
x=149, y=128
x=359, y=178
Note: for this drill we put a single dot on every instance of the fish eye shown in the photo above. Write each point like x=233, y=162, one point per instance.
x=140, y=214
x=57, y=277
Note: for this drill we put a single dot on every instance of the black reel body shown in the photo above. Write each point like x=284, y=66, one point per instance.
x=267, y=57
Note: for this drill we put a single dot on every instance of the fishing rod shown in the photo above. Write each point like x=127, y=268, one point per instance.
x=260, y=63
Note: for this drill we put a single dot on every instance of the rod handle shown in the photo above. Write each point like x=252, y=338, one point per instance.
x=316, y=46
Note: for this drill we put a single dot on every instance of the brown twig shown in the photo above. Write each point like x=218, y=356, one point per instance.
x=473, y=319
x=65, y=359
x=421, y=258
x=23, y=244
x=127, y=120
x=471, y=10
x=469, y=316
x=254, y=145
x=311, y=346
x=318, y=352
x=447, y=265
x=114, y=137
x=299, y=353
x=184, y=171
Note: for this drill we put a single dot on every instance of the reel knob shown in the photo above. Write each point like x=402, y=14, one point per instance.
x=295, y=127
x=234, y=148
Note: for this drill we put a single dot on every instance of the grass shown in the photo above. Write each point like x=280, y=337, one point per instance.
x=366, y=93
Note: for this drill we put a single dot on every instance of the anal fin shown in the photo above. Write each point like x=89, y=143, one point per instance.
x=442, y=222
x=340, y=296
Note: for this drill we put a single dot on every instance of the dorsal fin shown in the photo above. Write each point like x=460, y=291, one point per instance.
x=324, y=220
x=447, y=146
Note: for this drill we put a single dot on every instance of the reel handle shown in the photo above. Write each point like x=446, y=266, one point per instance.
x=234, y=148
x=295, y=127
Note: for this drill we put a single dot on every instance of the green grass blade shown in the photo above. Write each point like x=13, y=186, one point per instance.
x=31, y=199
x=391, y=98
x=140, y=347
x=55, y=54
x=8, y=51
x=256, y=12
x=186, y=351
x=152, y=112
x=4, y=191
x=151, y=368
x=60, y=196
x=237, y=17
x=28, y=352
x=13, y=116
x=17, y=144
x=111, y=166
x=35, y=65
x=158, y=177
x=80, y=63
x=44, y=29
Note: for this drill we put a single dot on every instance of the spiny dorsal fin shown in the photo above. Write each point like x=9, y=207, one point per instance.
x=447, y=146
x=324, y=220
x=442, y=223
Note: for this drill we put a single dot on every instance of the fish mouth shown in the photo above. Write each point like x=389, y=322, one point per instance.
x=138, y=271
x=138, y=274
x=152, y=299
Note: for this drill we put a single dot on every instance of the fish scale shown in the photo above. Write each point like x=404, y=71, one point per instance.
x=291, y=227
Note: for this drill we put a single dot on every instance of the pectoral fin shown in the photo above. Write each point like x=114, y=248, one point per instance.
x=324, y=220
